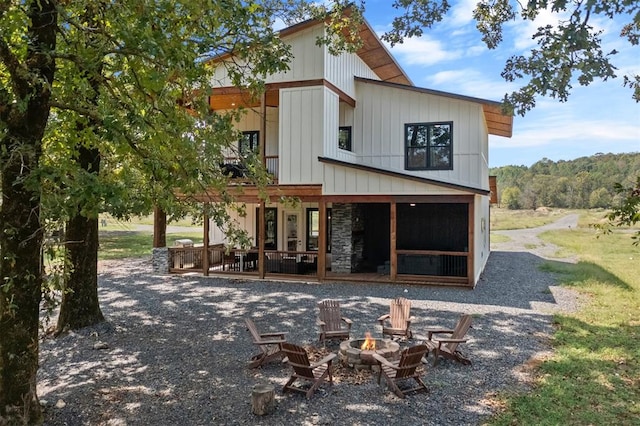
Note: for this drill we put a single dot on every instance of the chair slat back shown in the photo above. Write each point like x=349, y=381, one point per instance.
x=410, y=359
x=400, y=309
x=463, y=325
x=330, y=314
x=298, y=359
x=255, y=334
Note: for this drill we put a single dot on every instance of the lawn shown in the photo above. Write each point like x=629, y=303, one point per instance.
x=593, y=377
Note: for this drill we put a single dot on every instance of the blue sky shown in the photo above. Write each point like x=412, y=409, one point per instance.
x=451, y=57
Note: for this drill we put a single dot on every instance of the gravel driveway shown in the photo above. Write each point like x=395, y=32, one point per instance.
x=174, y=349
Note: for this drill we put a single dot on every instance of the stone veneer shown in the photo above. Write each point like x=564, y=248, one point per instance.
x=347, y=237
x=160, y=260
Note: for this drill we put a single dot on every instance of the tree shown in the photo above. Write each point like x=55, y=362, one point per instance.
x=570, y=50
x=511, y=198
x=627, y=213
x=96, y=98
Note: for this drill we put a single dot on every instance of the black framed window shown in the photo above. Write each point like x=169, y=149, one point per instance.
x=271, y=228
x=428, y=146
x=344, y=138
x=249, y=142
x=313, y=229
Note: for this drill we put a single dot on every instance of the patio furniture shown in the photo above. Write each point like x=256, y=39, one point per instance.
x=331, y=322
x=270, y=345
x=403, y=369
x=315, y=373
x=397, y=321
x=448, y=347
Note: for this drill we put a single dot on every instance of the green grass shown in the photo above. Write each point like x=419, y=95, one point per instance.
x=502, y=219
x=122, y=244
x=593, y=378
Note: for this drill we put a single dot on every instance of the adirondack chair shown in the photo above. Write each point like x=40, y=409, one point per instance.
x=448, y=347
x=397, y=321
x=404, y=369
x=270, y=344
x=315, y=373
x=330, y=321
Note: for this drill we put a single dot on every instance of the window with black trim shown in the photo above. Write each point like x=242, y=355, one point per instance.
x=428, y=146
x=344, y=138
x=313, y=229
x=248, y=142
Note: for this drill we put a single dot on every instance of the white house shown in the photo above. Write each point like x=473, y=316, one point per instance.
x=392, y=179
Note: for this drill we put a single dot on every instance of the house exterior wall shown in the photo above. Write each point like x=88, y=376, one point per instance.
x=340, y=180
x=481, y=235
x=340, y=70
x=304, y=114
x=307, y=63
x=378, y=132
x=250, y=121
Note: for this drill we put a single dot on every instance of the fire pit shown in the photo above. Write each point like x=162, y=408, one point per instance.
x=358, y=353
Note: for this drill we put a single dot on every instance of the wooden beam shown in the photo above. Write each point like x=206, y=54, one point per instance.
x=251, y=193
x=322, y=239
x=205, y=241
x=470, y=247
x=159, y=227
x=261, y=237
x=393, y=273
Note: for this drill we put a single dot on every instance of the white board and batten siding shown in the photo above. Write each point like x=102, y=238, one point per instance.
x=340, y=71
x=308, y=120
x=341, y=180
x=378, y=132
x=307, y=61
x=481, y=235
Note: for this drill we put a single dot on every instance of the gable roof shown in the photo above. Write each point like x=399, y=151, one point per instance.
x=498, y=123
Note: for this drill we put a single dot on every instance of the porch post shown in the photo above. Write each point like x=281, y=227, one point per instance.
x=261, y=237
x=470, y=246
x=263, y=128
x=205, y=242
x=393, y=273
x=322, y=239
x=159, y=227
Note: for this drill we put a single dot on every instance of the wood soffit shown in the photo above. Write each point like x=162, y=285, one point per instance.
x=252, y=194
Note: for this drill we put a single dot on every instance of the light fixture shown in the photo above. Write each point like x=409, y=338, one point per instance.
x=412, y=204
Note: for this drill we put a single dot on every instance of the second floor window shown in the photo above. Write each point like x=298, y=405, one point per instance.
x=344, y=138
x=428, y=146
x=248, y=142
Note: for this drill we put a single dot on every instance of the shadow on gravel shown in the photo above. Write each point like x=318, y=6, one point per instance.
x=175, y=349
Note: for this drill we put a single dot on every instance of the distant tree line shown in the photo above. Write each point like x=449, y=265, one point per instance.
x=586, y=182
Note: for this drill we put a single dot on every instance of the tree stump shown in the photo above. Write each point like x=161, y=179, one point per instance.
x=262, y=399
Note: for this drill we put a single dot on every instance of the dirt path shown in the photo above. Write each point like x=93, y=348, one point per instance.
x=528, y=239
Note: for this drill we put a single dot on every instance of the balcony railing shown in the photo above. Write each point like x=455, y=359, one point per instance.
x=271, y=162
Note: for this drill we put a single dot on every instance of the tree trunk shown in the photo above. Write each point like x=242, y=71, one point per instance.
x=80, y=306
x=21, y=236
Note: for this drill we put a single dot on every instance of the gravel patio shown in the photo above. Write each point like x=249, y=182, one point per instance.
x=174, y=349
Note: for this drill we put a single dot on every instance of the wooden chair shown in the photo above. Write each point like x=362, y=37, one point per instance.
x=315, y=373
x=330, y=321
x=397, y=321
x=448, y=347
x=270, y=345
x=404, y=369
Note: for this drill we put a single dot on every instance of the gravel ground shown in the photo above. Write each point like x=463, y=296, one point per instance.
x=174, y=349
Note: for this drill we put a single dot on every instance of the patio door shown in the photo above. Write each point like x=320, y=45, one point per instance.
x=292, y=239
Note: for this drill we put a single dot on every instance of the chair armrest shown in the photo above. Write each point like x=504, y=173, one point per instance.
x=382, y=360
x=270, y=341
x=451, y=340
x=384, y=317
x=431, y=332
x=327, y=359
x=275, y=334
x=320, y=322
x=347, y=320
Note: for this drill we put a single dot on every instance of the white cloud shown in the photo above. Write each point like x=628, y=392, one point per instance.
x=424, y=51
x=469, y=82
x=461, y=13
